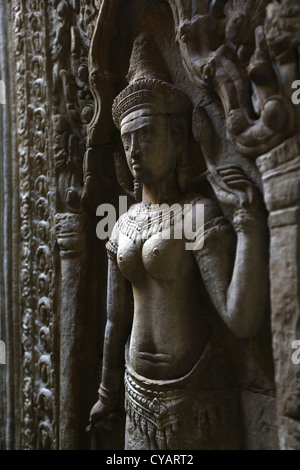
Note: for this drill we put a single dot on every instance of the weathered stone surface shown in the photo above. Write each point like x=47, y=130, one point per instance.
x=259, y=420
x=223, y=72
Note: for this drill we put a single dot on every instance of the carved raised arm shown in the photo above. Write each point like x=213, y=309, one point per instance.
x=230, y=276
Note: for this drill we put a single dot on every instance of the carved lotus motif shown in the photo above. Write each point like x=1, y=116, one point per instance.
x=157, y=407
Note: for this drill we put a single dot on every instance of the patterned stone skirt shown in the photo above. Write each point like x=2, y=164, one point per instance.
x=188, y=413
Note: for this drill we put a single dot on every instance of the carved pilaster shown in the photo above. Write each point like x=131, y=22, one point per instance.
x=9, y=246
x=44, y=59
x=69, y=230
x=280, y=171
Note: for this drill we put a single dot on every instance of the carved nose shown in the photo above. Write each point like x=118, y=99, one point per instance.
x=134, y=150
x=135, y=153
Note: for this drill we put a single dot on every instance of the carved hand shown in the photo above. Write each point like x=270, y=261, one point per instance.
x=235, y=191
x=102, y=415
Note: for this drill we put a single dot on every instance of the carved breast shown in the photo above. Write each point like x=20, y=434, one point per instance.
x=129, y=259
x=161, y=258
x=164, y=259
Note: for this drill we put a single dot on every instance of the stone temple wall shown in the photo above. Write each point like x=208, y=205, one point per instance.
x=63, y=62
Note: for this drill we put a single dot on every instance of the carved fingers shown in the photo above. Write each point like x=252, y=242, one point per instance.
x=234, y=189
x=101, y=415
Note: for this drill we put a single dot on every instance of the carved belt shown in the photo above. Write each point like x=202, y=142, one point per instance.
x=159, y=401
x=157, y=407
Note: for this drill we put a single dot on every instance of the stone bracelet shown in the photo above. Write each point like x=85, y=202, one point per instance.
x=243, y=220
x=108, y=397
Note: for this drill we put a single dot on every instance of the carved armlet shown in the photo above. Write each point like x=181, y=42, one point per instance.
x=214, y=230
x=112, y=249
x=245, y=221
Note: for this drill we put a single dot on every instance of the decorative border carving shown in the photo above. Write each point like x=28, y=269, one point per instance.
x=29, y=18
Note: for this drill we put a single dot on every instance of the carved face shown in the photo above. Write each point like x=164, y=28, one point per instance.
x=149, y=148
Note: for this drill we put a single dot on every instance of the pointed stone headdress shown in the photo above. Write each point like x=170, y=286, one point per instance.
x=149, y=88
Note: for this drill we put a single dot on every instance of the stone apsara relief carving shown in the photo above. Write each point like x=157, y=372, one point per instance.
x=243, y=71
x=169, y=339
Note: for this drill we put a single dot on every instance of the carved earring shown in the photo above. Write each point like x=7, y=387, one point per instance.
x=137, y=190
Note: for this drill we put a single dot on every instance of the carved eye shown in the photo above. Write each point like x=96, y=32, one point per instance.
x=125, y=144
x=146, y=133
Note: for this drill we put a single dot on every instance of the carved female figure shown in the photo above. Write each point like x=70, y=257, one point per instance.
x=176, y=395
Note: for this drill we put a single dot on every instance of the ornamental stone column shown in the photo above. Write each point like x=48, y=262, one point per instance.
x=280, y=169
x=70, y=238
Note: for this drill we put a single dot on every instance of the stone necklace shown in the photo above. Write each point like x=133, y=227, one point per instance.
x=144, y=220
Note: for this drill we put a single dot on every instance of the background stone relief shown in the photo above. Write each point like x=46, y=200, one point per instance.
x=65, y=61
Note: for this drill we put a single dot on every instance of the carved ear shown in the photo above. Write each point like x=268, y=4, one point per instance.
x=131, y=187
x=124, y=176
